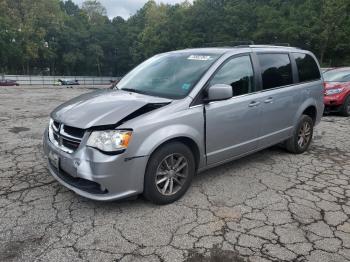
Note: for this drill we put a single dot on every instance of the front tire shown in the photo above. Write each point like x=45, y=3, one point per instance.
x=169, y=173
x=345, y=109
x=302, y=136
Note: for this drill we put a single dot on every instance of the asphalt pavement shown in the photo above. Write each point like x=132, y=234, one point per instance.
x=270, y=206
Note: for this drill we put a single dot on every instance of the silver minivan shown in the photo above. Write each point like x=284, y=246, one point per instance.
x=180, y=113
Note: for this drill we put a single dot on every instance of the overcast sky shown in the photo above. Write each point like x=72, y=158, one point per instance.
x=125, y=8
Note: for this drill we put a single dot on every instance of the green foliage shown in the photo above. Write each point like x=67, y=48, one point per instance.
x=94, y=10
x=59, y=35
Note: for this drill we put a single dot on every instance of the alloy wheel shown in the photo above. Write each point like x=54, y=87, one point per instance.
x=172, y=173
x=304, y=134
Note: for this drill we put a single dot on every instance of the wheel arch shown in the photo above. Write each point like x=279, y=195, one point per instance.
x=311, y=111
x=187, y=141
x=191, y=136
x=309, y=107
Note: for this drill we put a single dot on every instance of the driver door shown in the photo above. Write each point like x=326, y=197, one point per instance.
x=232, y=125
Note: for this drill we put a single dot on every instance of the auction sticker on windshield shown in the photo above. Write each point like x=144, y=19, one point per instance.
x=199, y=57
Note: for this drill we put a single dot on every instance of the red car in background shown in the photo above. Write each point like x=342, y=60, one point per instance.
x=337, y=90
x=7, y=82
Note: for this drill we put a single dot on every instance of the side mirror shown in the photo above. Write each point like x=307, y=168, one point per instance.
x=113, y=83
x=219, y=92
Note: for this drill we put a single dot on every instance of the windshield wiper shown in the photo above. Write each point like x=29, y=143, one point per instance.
x=134, y=90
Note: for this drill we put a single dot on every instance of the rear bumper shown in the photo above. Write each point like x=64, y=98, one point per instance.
x=95, y=175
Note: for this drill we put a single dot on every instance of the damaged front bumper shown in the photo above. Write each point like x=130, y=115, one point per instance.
x=95, y=175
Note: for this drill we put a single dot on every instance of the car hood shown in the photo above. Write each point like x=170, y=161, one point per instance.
x=331, y=85
x=104, y=107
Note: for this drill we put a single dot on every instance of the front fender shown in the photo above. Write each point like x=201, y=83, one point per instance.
x=164, y=134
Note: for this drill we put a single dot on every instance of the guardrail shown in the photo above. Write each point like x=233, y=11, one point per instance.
x=50, y=80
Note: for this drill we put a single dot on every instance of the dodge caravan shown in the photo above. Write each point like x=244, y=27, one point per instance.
x=180, y=113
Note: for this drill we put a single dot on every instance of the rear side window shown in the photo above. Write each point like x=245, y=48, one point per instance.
x=276, y=70
x=307, y=67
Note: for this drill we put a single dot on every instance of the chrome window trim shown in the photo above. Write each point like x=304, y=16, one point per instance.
x=235, y=97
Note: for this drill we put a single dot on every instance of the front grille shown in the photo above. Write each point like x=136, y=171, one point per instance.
x=73, y=131
x=70, y=144
x=67, y=138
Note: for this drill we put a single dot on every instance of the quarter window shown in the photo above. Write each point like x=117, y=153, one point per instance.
x=238, y=73
x=307, y=67
x=276, y=70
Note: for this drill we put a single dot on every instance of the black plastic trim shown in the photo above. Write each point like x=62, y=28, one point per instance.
x=80, y=183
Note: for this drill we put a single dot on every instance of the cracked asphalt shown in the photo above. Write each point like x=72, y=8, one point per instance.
x=270, y=206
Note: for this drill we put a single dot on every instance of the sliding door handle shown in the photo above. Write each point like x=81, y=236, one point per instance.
x=268, y=101
x=254, y=104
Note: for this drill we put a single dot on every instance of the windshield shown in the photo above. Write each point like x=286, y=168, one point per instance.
x=170, y=75
x=337, y=76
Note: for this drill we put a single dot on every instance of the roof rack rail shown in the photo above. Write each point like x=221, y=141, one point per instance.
x=280, y=44
x=271, y=46
x=243, y=43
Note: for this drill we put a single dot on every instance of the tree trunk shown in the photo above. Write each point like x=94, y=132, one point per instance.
x=98, y=67
x=322, y=56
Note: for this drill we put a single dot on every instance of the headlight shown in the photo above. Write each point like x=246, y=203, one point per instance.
x=110, y=140
x=50, y=126
x=51, y=136
x=334, y=91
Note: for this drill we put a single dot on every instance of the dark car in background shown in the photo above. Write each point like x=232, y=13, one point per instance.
x=67, y=82
x=337, y=90
x=8, y=82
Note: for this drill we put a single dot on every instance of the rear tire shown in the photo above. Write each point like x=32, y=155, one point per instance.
x=345, y=109
x=302, y=136
x=169, y=173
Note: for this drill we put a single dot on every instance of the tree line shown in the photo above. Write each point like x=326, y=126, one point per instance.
x=58, y=37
